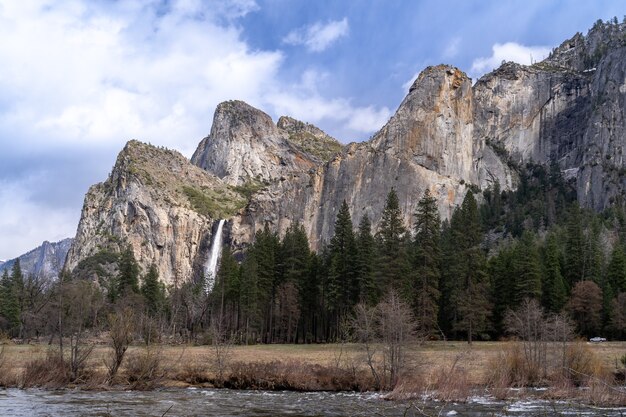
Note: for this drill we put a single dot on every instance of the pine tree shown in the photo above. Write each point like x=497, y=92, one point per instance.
x=574, y=247
x=8, y=308
x=427, y=264
x=527, y=269
x=492, y=209
x=554, y=287
x=264, y=252
x=392, y=242
x=369, y=291
x=226, y=292
x=616, y=271
x=613, y=282
x=294, y=254
x=153, y=291
x=343, y=286
x=249, y=298
x=309, y=291
x=449, y=282
x=594, y=258
x=12, y=289
x=294, y=266
x=128, y=275
x=502, y=286
x=474, y=307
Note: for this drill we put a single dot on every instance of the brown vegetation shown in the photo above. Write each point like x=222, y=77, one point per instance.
x=144, y=369
x=50, y=372
x=295, y=376
x=449, y=371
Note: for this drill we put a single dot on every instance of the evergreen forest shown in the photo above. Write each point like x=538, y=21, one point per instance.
x=459, y=277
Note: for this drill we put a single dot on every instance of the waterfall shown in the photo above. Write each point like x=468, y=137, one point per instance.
x=214, y=256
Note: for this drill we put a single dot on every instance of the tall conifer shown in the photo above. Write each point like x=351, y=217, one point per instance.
x=393, y=267
x=474, y=307
x=369, y=290
x=427, y=264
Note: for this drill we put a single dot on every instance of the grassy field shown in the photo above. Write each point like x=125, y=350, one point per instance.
x=422, y=360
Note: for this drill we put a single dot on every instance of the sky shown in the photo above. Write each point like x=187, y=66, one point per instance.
x=79, y=78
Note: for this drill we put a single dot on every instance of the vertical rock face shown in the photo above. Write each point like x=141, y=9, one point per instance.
x=428, y=143
x=244, y=146
x=44, y=262
x=568, y=109
x=446, y=136
x=161, y=205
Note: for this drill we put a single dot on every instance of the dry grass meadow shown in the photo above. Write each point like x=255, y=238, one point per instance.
x=182, y=365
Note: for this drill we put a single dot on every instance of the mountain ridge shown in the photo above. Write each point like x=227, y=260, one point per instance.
x=43, y=262
x=447, y=136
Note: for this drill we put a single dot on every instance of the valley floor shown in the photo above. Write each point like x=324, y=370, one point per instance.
x=443, y=370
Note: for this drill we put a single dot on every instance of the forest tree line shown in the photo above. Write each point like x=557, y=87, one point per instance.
x=460, y=277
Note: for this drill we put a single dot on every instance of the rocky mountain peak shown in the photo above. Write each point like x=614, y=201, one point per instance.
x=236, y=115
x=161, y=205
x=245, y=146
x=433, y=125
x=435, y=75
x=584, y=52
x=310, y=139
x=45, y=262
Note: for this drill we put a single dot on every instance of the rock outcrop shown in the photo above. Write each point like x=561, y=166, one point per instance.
x=447, y=136
x=428, y=143
x=319, y=146
x=161, y=205
x=568, y=109
x=45, y=262
x=245, y=146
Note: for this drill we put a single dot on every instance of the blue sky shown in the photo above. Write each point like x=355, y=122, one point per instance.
x=81, y=77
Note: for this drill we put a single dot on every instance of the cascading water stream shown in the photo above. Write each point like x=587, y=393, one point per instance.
x=214, y=256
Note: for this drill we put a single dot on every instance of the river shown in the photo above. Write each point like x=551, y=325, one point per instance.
x=226, y=403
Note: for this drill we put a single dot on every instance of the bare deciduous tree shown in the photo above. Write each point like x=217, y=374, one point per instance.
x=76, y=316
x=535, y=329
x=223, y=342
x=364, y=326
x=397, y=327
x=389, y=326
x=121, y=328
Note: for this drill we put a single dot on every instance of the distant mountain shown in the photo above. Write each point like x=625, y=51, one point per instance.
x=45, y=261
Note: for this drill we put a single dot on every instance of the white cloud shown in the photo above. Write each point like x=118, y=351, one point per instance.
x=319, y=36
x=303, y=101
x=452, y=48
x=78, y=74
x=25, y=224
x=509, y=51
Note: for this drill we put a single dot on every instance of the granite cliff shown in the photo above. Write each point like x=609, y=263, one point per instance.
x=161, y=205
x=447, y=135
x=567, y=109
x=45, y=262
x=428, y=143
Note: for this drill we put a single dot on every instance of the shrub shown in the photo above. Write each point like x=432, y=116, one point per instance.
x=582, y=366
x=294, y=376
x=194, y=373
x=143, y=369
x=511, y=369
x=51, y=372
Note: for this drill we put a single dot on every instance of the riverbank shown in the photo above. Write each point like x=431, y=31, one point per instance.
x=450, y=371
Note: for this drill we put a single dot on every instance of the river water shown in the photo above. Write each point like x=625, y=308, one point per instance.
x=226, y=403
